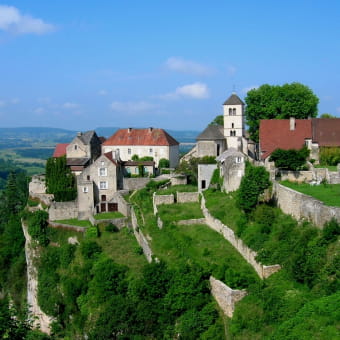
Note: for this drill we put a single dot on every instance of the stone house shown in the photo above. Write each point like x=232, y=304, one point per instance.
x=232, y=168
x=97, y=185
x=156, y=143
x=211, y=142
x=84, y=149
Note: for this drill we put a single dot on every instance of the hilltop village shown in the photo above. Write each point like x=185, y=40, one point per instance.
x=226, y=228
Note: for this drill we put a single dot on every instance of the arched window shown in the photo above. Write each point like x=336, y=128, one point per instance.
x=230, y=112
x=232, y=125
x=234, y=112
x=231, y=133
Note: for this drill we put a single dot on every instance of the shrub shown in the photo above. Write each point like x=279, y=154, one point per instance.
x=290, y=159
x=90, y=249
x=329, y=155
x=37, y=226
x=331, y=231
x=111, y=228
x=163, y=163
x=92, y=232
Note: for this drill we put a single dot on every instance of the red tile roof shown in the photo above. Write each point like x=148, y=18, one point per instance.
x=148, y=136
x=109, y=155
x=60, y=150
x=326, y=131
x=276, y=133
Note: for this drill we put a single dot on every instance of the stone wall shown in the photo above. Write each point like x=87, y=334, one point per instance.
x=205, y=172
x=141, y=239
x=37, y=185
x=301, y=206
x=297, y=176
x=248, y=254
x=118, y=222
x=123, y=206
x=44, y=198
x=66, y=227
x=63, y=210
x=184, y=197
x=178, y=180
x=191, y=221
x=161, y=199
x=135, y=183
x=225, y=296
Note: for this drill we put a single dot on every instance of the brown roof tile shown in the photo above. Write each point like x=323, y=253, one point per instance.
x=326, y=131
x=276, y=133
x=148, y=136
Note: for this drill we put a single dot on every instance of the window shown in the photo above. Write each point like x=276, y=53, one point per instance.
x=150, y=151
x=136, y=170
x=129, y=151
x=203, y=184
x=103, y=185
x=76, y=147
x=234, y=112
x=230, y=112
x=85, y=189
x=238, y=159
x=232, y=125
x=218, y=149
x=102, y=163
x=102, y=171
x=88, y=177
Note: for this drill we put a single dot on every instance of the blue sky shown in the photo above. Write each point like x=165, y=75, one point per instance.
x=170, y=64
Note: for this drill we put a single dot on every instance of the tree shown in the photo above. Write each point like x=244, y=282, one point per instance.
x=290, y=159
x=218, y=120
x=59, y=180
x=278, y=102
x=327, y=115
x=253, y=184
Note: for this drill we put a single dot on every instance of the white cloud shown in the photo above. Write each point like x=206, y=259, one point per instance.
x=11, y=20
x=247, y=89
x=187, y=66
x=102, y=93
x=70, y=105
x=195, y=90
x=131, y=107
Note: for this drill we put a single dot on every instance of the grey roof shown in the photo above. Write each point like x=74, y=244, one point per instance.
x=234, y=99
x=211, y=132
x=76, y=161
x=86, y=137
x=229, y=153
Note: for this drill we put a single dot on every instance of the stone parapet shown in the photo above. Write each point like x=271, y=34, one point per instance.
x=225, y=296
x=185, y=197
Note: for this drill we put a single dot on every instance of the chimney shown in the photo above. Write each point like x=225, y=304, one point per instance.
x=150, y=129
x=79, y=134
x=129, y=130
x=292, y=123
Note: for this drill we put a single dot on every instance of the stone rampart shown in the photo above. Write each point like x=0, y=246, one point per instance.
x=37, y=185
x=123, y=206
x=63, y=210
x=184, y=197
x=301, y=206
x=118, y=222
x=248, y=254
x=192, y=221
x=66, y=226
x=161, y=199
x=135, y=183
x=141, y=239
x=225, y=296
x=297, y=176
x=178, y=180
x=44, y=198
